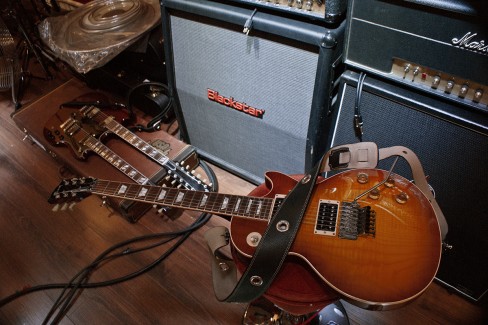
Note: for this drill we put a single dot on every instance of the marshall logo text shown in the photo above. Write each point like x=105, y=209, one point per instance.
x=468, y=43
x=230, y=102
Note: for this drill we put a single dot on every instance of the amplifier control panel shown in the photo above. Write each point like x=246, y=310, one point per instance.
x=441, y=83
x=328, y=10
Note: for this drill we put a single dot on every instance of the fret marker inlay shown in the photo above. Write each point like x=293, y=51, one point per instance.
x=225, y=203
x=238, y=203
x=122, y=189
x=161, y=195
x=249, y=206
x=143, y=192
x=204, y=200
x=180, y=196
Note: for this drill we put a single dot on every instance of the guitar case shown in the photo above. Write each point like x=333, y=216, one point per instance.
x=32, y=119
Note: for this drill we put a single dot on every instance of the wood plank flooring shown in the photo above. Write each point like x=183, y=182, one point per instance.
x=39, y=246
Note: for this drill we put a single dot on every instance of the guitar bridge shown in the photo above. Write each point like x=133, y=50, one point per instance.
x=356, y=221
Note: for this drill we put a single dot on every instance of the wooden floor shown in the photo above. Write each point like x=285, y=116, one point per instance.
x=40, y=247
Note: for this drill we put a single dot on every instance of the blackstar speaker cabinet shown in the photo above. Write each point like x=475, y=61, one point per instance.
x=256, y=101
x=452, y=144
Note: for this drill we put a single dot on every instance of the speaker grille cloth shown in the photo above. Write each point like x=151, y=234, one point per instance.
x=454, y=159
x=276, y=77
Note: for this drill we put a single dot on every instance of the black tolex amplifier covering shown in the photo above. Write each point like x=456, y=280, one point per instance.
x=250, y=102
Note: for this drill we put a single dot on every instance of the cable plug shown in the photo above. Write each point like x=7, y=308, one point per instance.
x=358, y=125
x=248, y=23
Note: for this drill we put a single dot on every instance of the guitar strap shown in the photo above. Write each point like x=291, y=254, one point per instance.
x=275, y=242
x=278, y=238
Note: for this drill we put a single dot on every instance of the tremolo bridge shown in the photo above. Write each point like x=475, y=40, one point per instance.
x=347, y=220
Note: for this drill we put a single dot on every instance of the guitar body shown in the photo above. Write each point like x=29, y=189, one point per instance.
x=56, y=135
x=380, y=270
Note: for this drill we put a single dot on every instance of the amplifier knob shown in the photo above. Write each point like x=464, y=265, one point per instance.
x=449, y=86
x=290, y=2
x=308, y=5
x=477, y=95
x=436, y=81
x=463, y=91
x=299, y=4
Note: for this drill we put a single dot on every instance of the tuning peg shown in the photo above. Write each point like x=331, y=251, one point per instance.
x=64, y=207
x=71, y=206
x=55, y=208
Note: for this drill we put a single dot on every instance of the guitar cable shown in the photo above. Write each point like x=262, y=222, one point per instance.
x=72, y=289
x=358, y=119
x=155, y=123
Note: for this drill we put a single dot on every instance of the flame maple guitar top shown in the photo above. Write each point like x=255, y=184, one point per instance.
x=380, y=271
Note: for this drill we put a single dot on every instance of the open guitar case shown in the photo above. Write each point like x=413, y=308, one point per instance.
x=32, y=120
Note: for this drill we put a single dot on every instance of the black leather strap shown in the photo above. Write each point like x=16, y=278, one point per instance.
x=276, y=241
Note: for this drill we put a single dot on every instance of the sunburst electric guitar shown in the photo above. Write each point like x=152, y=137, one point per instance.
x=379, y=250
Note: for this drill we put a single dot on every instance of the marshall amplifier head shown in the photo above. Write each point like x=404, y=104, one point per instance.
x=440, y=47
x=250, y=102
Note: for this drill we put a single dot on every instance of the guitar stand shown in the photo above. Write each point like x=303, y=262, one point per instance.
x=264, y=312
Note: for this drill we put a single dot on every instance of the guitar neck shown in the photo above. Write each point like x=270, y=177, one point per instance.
x=178, y=171
x=125, y=134
x=85, y=139
x=211, y=202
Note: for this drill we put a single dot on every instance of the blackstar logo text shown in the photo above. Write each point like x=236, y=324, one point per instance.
x=230, y=102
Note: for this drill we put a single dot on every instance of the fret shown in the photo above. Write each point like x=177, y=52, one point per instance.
x=216, y=202
x=133, y=191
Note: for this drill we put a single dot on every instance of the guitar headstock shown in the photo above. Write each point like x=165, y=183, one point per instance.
x=72, y=190
x=179, y=175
